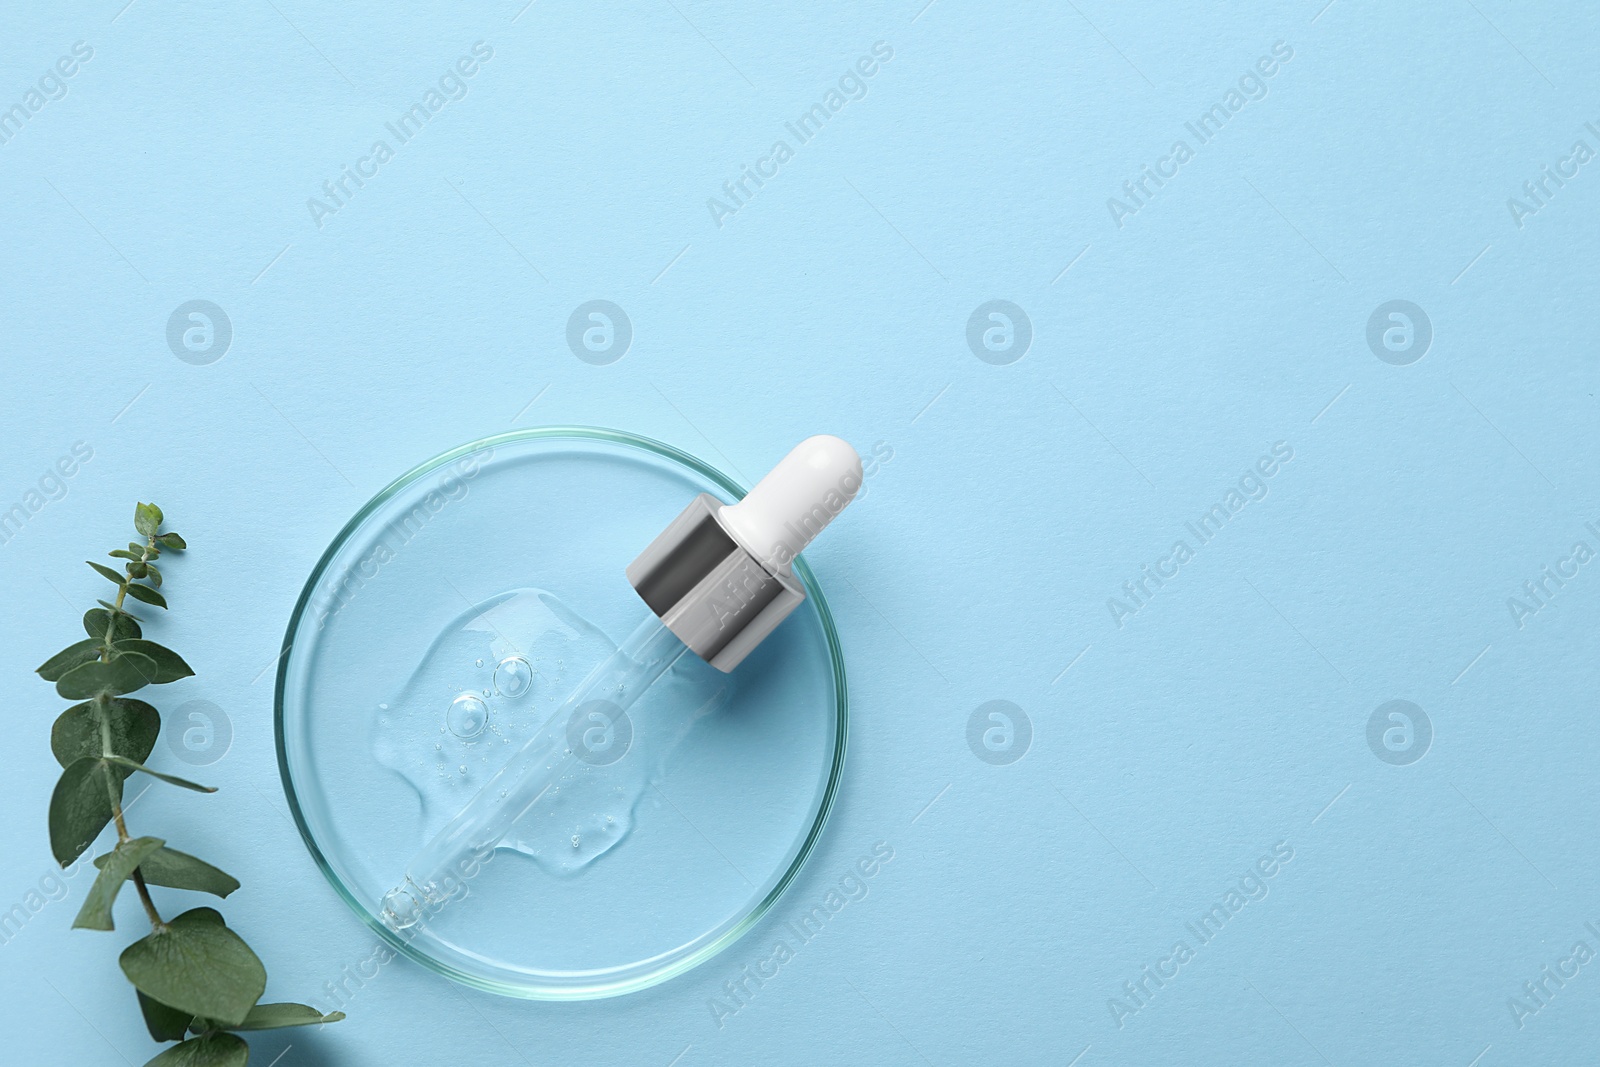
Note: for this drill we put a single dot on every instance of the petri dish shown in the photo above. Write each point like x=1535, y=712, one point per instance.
x=444, y=622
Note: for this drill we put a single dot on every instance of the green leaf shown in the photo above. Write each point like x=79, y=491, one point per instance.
x=179, y=870
x=212, y=1050
x=125, y=553
x=124, y=673
x=170, y=779
x=80, y=806
x=138, y=570
x=68, y=658
x=132, y=726
x=163, y=1022
x=279, y=1016
x=172, y=540
x=96, y=620
x=148, y=595
x=116, y=867
x=147, y=519
x=151, y=574
x=107, y=572
x=169, y=665
x=196, y=964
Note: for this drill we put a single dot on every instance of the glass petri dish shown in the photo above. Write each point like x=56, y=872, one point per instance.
x=392, y=703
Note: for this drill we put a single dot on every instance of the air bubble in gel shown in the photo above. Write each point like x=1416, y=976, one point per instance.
x=513, y=676
x=467, y=716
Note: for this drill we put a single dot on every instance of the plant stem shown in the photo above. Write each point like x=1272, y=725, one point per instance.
x=111, y=621
x=149, y=905
x=105, y=745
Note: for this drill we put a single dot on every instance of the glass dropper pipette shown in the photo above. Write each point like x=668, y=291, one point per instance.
x=717, y=581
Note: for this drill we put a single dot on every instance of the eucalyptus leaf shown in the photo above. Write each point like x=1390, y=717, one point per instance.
x=148, y=595
x=132, y=726
x=107, y=572
x=164, y=1023
x=116, y=867
x=279, y=1016
x=196, y=964
x=179, y=870
x=169, y=665
x=211, y=1050
x=147, y=519
x=170, y=779
x=68, y=658
x=125, y=673
x=172, y=540
x=96, y=621
x=80, y=806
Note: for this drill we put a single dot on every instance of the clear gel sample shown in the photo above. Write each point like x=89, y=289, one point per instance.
x=493, y=717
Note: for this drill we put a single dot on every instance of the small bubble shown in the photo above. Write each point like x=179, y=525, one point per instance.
x=576, y=841
x=480, y=663
x=513, y=676
x=467, y=716
x=462, y=769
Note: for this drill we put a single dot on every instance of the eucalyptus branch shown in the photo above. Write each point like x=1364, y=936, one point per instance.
x=197, y=981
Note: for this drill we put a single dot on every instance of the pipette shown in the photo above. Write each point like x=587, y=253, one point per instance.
x=717, y=581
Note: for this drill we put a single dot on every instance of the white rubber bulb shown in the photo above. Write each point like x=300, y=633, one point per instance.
x=796, y=500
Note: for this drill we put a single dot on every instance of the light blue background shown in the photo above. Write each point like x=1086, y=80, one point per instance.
x=1230, y=313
